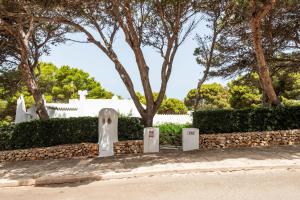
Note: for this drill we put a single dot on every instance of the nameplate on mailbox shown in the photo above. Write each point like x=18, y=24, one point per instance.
x=191, y=133
x=151, y=133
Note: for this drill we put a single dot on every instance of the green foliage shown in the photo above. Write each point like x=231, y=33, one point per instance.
x=172, y=106
x=287, y=85
x=234, y=44
x=244, y=120
x=290, y=102
x=5, y=137
x=212, y=96
x=171, y=133
x=3, y=105
x=245, y=91
x=62, y=84
x=44, y=133
x=9, y=80
x=130, y=128
x=244, y=96
x=168, y=105
x=57, y=85
x=143, y=99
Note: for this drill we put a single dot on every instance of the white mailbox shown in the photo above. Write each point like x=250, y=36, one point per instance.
x=151, y=140
x=190, y=139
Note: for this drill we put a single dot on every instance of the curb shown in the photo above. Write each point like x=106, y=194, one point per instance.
x=195, y=171
x=42, y=181
x=67, y=179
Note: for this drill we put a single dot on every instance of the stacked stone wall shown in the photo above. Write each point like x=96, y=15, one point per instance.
x=249, y=139
x=129, y=147
x=206, y=141
x=55, y=152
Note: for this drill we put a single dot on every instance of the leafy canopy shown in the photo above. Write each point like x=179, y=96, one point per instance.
x=57, y=85
x=168, y=106
x=212, y=96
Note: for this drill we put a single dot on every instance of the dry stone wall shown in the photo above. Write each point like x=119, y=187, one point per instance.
x=129, y=147
x=70, y=151
x=206, y=141
x=55, y=152
x=249, y=139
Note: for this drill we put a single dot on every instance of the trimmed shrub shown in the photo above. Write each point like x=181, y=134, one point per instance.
x=246, y=120
x=171, y=133
x=130, y=128
x=5, y=137
x=44, y=133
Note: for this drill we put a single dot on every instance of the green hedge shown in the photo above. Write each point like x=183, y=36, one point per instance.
x=259, y=119
x=171, y=133
x=130, y=128
x=5, y=137
x=43, y=133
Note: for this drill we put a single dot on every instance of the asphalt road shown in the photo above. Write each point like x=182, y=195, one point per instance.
x=242, y=185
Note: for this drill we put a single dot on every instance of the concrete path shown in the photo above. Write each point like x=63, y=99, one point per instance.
x=173, y=162
x=242, y=185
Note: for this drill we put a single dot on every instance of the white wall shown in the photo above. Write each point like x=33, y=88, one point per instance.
x=176, y=119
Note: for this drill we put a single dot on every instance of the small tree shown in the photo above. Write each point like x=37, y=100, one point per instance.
x=216, y=14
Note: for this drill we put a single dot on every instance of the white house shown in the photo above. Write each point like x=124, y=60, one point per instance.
x=90, y=107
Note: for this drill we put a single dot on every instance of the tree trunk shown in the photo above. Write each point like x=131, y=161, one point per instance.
x=30, y=81
x=148, y=118
x=208, y=63
x=148, y=122
x=199, y=85
x=34, y=90
x=263, y=69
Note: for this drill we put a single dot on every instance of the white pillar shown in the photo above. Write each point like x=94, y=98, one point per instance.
x=151, y=140
x=190, y=139
x=108, y=131
x=83, y=110
x=82, y=94
x=21, y=110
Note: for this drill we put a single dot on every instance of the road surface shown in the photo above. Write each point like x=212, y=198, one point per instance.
x=242, y=185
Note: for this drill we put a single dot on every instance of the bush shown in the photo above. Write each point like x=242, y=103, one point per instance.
x=171, y=133
x=130, y=128
x=5, y=137
x=257, y=119
x=44, y=133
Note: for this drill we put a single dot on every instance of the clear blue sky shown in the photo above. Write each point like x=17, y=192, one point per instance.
x=89, y=58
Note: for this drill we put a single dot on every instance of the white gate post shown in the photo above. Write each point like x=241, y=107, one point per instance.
x=151, y=140
x=190, y=139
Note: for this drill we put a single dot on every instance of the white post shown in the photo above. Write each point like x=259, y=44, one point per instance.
x=190, y=139
x=82, y=94
x=108, y=131
x=151, y=140
x=21, y=110
x=82, y=110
